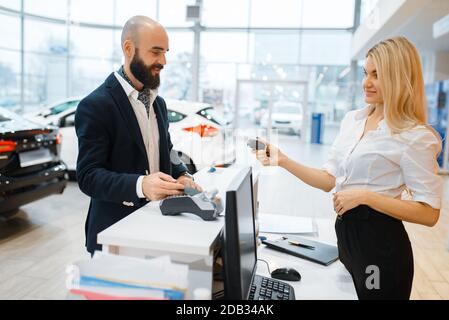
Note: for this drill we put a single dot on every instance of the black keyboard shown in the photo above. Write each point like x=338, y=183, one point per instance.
x=264, y=288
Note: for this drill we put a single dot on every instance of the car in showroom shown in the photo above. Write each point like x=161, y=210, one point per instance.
x=286, y=116
x=30, y=165
x=61, y=114
x=198, y=133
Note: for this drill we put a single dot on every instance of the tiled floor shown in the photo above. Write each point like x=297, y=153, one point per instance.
x=47, y=235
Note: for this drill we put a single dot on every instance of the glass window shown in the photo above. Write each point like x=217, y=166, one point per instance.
x=176, y=79
x=172, y=13
x=9, y=78
x=230, y=13
x=90, y=42
x=218, y=78
x=64, y=106
x=180, y=44
x=88, y=74
x=45, y=78
x=47, y=8
x=174, y=116
x=9, y=62
x=327, y=13
x=10, y=32
x=97, y=11
x=117, y=53
x=280, y=13
x=45, y=62
x=302, y=13
x=326, y=48
x=281, y=107
x=126, y=9
x=11, y=4
x=274, y=47
x=224, y=46
x=278, y=72
x=45, y=37
x=244, y=70
x=366, y=8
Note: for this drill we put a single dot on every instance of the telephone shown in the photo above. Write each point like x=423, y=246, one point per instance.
x=204, y=204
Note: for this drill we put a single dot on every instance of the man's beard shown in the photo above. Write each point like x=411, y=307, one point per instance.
x=142, y=72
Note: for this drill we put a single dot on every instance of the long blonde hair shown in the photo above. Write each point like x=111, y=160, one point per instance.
x=401, y=81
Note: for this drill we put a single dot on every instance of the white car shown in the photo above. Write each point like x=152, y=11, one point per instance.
x=62, y=114
x=285, y=116
x=199, y=134
x=196, y=130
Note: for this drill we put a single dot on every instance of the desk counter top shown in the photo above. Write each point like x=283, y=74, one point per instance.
x=147, y=228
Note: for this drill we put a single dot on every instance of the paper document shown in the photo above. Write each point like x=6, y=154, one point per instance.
x=277, y=223
x=109, y=276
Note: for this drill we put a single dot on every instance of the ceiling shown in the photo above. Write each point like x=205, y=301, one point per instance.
x=413, y=19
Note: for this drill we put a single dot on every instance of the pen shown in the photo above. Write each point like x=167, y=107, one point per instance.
x=296, y=243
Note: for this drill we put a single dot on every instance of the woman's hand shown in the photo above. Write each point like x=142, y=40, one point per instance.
x=271, y=156
x=348, y=199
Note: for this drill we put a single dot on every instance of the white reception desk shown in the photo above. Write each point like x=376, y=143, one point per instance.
x=188, y=239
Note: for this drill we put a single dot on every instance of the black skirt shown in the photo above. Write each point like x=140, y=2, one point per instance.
x=376, y=251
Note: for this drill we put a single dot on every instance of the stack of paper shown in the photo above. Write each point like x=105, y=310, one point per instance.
x=113, y=277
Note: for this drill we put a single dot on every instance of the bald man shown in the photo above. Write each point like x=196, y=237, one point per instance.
x=125, y=153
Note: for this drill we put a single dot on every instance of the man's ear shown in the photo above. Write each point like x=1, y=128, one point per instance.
x=128, y=49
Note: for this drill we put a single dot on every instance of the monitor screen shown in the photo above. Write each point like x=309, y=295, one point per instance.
x=239, y=245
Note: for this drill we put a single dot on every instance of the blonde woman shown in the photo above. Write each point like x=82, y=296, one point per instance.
x=383, y=151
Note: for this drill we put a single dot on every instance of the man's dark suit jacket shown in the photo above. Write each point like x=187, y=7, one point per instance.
x=112, y=155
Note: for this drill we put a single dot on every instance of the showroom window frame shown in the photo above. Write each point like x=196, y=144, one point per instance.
x=197, y=29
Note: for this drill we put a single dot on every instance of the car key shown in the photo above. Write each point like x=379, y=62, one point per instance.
x=256, y=144
x=191, y=191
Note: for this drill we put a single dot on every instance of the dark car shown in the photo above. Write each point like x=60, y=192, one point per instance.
x=30, y=167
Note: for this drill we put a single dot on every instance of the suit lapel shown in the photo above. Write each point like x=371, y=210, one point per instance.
x=127, y=112
x=162, y=134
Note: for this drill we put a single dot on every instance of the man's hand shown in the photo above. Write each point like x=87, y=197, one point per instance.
x=158, y=186
x=187, y=182
x=348, y=199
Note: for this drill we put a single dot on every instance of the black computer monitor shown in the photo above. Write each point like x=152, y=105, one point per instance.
x=239, y=241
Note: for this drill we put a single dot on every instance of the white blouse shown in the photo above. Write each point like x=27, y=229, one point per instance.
x=384, y=162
